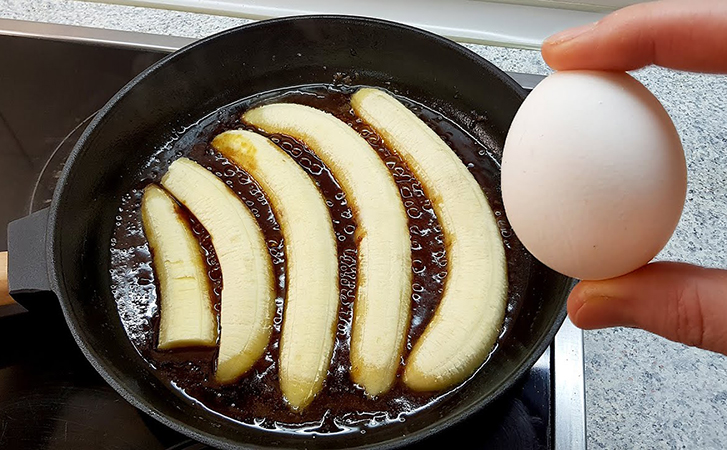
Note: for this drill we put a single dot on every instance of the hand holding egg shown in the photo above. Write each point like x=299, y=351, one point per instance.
x=681, y=302
x=593, y=174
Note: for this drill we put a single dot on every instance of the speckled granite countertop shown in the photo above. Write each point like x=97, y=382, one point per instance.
x=641, y=391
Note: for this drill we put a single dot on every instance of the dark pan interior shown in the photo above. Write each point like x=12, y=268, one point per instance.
x=235, y=64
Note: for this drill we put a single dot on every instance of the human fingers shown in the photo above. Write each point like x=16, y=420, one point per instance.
x=684, y=35
x=680, y=302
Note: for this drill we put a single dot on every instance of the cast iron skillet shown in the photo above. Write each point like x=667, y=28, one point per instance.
x=64, y=251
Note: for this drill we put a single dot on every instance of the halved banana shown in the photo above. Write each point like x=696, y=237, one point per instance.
x=186, y=315
x=248, y=296
x=382, y=304
x=469, y=317
x=311, y=260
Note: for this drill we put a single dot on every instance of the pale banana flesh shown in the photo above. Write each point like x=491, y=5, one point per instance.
x=383, y=296
x=248, y=296
x=311, y=261
x=186, y=315
x=467, y=322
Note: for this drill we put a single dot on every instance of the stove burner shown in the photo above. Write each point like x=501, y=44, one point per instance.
x=48, y=179
x=189, y=445
x=50, y=396
x=52, y=399
x=86, y=409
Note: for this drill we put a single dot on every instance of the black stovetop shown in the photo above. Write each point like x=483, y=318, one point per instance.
x=50, y=396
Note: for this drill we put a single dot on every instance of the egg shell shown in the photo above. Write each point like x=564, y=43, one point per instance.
x=593, y=174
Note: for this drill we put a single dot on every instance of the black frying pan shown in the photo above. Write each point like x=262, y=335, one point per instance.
x=64, y=251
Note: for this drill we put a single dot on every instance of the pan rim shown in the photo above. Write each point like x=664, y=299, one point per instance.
x=113, y=376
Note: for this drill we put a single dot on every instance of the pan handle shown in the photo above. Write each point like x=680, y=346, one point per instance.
x=8, y=306
x=5, y=298
x=27, y=266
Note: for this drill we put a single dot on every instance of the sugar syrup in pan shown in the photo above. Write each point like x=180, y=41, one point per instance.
x=256, y=399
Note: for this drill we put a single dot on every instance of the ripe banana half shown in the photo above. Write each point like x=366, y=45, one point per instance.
x=311, y=300
x=383, y=296
x=466, y=323
x=248, y=295
x=186, y=315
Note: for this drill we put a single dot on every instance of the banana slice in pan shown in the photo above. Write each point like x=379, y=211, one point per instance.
x=248, y=296
x=186, y=315
x=382, y=303
x=311, y=301
x=468, y=319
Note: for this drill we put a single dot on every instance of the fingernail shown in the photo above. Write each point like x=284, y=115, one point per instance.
x=569, y=34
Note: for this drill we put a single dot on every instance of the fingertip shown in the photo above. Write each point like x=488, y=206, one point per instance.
x=591, y=305
x=568, y=35
x=578, y=310
x=549, y=53
x=575, y=303
x=555, y=48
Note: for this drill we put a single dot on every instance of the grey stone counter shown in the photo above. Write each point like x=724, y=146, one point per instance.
x=642, y=391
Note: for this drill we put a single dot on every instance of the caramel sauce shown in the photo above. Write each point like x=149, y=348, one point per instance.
x=256, y=399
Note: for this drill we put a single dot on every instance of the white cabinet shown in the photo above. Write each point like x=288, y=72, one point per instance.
x=585, y=5
x=515, y=23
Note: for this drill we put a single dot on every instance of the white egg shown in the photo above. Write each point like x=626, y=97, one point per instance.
x=593, y=174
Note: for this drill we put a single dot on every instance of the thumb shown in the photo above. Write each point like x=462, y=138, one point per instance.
x=680, y=302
